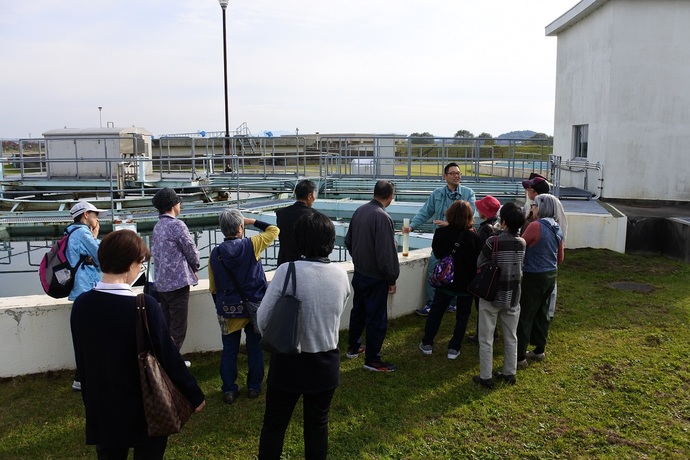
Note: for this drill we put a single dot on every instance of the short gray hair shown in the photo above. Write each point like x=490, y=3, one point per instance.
x=230, y=221
x=548, y=205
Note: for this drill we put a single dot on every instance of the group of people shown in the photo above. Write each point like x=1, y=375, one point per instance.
x=103, y=322
x=103, y=312
x=527, y=243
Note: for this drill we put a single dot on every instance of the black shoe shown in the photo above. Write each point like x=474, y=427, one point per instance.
x=231, y=397
x=509, y=379
x=473, y=338
x=253, y=394
x=486, y=383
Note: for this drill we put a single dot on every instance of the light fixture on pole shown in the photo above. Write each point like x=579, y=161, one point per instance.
x=226, y=143
x=100, y=118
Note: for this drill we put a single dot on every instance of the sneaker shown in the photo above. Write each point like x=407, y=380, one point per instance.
x=188, y=363
x=426, y=349
x=352, y=354
x=522, y=364
x=379, y=366
x=76, y=385
x=509, y=379
x=486, y=383
x=424, y=311
x=451, y=308
x=532, y=356
x=453, y=353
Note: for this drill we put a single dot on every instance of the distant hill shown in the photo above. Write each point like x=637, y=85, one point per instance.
x=524, y=134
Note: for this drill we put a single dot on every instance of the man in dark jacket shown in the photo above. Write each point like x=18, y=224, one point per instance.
x=370, y=240
x=287, y=217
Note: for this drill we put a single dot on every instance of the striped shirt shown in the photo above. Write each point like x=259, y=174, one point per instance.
x=510, y=253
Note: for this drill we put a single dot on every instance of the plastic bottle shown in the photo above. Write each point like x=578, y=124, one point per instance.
x=406, y=238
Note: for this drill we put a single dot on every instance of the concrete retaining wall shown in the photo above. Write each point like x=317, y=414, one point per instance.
x=35, y=330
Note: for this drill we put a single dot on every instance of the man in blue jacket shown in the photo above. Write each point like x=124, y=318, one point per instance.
x=435, y=207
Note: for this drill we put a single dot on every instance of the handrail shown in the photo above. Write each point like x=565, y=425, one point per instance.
x=201, y=162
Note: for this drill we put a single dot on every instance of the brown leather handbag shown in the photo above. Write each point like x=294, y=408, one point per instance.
x=165, y=407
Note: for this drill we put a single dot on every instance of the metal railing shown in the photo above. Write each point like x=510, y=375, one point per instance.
x=183, y=162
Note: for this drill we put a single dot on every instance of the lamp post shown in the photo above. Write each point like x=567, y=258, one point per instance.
x=100, y=118
x=226, y=143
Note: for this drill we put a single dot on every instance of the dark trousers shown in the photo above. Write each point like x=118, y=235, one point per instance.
x=228, y=359
x=370, y=310
x=175, y=305
x=533, y=326
x=153, y=449
x=279, y=407
x=438, y=309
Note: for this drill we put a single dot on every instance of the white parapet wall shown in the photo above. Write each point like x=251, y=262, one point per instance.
x=35, y=330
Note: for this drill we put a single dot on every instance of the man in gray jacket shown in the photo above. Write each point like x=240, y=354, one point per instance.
x=370, y=240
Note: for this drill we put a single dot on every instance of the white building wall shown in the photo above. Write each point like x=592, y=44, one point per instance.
x=624, y=71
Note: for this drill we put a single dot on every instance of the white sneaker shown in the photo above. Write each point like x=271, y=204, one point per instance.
x=76, y=385
x=426, y=349
x=188, y=363
x=452, y=353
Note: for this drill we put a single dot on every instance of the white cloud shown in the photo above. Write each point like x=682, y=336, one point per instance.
x=370, y=66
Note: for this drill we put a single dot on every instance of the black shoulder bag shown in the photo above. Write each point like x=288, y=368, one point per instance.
x=485, y=284
x=281, y=334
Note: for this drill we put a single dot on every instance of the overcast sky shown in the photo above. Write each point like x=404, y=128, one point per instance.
x=328, y=66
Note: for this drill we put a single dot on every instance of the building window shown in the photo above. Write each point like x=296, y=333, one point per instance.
x=580, y=141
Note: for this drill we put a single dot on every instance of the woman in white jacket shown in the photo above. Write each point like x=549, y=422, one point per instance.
x=314, y=373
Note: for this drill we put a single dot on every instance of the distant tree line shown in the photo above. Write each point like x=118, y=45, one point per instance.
x=487, y=139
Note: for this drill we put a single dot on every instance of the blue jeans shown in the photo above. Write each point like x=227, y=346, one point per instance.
x=228, y=360
x=370, y=310
x=438, y=308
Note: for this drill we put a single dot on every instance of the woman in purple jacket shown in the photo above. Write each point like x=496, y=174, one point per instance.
x=176, y=261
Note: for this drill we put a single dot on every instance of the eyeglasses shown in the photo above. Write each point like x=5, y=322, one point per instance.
x=456, y=173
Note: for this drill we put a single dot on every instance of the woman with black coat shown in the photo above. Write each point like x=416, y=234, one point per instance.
x=459, y=230
x=103, y=324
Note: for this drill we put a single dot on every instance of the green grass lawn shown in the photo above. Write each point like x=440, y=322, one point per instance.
x=615, y=384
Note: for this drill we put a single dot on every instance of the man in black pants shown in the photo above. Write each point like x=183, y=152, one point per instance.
x=370, y=240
